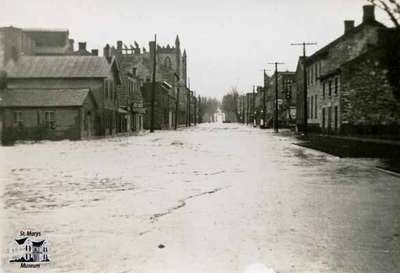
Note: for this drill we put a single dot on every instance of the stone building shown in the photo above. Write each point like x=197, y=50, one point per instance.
x=171, y=70
x=348, y=88
x=56, y=75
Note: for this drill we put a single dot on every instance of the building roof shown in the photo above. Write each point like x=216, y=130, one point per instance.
x=21, y=241
x=43, y=97
x=40, y=243
x=59, y=67
x=324, y=50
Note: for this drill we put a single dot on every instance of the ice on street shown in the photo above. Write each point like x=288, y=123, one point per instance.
x=215, y=198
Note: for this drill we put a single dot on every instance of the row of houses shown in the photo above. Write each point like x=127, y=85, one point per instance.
x=353, y=85
x=49, y=90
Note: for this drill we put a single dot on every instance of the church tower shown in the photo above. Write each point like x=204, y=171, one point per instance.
x=178, y=57
x=184, y=67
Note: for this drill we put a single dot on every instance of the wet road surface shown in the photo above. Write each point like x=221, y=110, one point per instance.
x=216, y=198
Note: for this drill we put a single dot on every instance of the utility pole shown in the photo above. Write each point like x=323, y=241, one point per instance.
x=153, y=85
x=177, y=101
x=305, y=110
x=195, y=110
x=200, y=120
x=247, y=109
x=264, y=102
x=243, y=110
x=276, y=121
x=253, y=102
x=188, y=105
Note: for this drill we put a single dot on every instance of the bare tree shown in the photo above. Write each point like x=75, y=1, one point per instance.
x=392, y=9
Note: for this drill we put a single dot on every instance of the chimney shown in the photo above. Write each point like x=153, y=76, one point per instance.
x=369, y=13
x=82, y=46
x=95, y=52
x=71, y=44
x=152, y=47
x=119, y=45
x=3, y=80
x=107, y=53
x=348, y=25
x=14, y=54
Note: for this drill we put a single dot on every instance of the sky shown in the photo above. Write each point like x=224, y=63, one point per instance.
x=228, y=42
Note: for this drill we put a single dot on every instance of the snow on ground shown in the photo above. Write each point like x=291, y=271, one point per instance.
x=216, y=198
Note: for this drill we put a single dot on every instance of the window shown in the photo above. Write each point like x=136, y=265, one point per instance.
x=323, y=89
x=312, y=107
x=316, y=72
x=308, y=108
x=18, y=118
x=316, y=108
x=49, y=118
x=106, y=88
x=336, y=118
x=110, y=90
x=336, y=86
x=167, y=62
x=330, y=88
x=323, y=118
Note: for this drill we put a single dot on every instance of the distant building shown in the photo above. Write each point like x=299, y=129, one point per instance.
x=164, y=105
x=171, y=68
x=300, y=94
x=286, y=99
x=348, y=87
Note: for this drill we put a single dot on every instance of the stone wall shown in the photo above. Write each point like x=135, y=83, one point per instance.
x=368, y=103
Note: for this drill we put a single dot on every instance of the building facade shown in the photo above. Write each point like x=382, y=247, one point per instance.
x=348, y=88
x=98, y=75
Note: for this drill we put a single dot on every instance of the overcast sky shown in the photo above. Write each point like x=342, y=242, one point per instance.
x=228, y=42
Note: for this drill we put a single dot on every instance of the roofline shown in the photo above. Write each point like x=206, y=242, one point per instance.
x=61, y=77
x=356, y=29
x=63, y=30
x=40, y=106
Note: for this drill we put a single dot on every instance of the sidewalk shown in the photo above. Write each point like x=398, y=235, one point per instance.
x=352, y=146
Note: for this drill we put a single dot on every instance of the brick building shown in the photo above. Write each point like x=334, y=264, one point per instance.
x=286, y=98
x=164, y=105
x=348, y=88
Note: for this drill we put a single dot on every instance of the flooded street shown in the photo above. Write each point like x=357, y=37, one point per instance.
x=215, y=198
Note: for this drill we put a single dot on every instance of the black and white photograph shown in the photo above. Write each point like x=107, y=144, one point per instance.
x=182, y=136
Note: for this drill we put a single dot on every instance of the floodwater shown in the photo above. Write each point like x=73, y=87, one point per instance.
x=215, y=198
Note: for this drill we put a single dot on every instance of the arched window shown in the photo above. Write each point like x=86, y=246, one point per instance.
x=167, y=62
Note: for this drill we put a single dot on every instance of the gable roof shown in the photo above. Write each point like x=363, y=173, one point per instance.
x=43, y=97
x=324, y=50
x=21, y=241
x=59, y=67
x=37, y=244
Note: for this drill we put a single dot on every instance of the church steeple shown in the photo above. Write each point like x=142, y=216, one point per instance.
x=177, y=42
